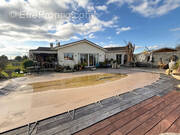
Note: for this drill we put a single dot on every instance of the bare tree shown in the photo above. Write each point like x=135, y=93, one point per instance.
x=130, y=51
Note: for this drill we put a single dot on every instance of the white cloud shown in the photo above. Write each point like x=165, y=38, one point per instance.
x=37, y=28
x=153, y=47
x=103, y=8
x=15, y=48
x=138, y=47
x=175, y=29
x=111, y=45
x=91, y=35
x=149, y=8
x=34, y=20
x=122, y=29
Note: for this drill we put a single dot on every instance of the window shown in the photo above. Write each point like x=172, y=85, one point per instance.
x=68, y=56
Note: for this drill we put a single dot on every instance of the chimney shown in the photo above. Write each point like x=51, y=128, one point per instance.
x=51, y=45
x=58, y=44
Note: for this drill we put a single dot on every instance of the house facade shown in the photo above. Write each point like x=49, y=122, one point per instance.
x=80, y=52
x=162, y=55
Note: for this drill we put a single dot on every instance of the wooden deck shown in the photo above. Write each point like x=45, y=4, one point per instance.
x=150, y=117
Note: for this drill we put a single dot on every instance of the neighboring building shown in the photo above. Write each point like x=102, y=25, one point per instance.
x=165, y=55
x=79, y=52
x=161, y=55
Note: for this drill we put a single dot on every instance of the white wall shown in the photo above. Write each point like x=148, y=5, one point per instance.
x=165, y=56
x=112, y=55
x=76, y=50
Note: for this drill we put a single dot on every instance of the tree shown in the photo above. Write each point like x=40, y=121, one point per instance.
x=24, y=57
x=130, y=52
x=3, y=62
x=18, y=58
x=28, y=63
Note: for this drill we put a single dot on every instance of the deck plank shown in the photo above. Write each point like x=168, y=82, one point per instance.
x=165, y=123
x=151, y=114
x=175, y=127
x=153, y=121
x=124, y=120
x=108, y=121
x=138, y=121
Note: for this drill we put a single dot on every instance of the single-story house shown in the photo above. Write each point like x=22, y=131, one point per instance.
x=79, y=52
x=162, y=55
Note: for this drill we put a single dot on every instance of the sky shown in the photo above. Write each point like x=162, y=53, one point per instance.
x=28, y=24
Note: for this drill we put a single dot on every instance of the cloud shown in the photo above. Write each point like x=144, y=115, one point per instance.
x=153, y=47
x=2, y=46
x=49, y=20
x=111, y=45
x=149, y=8
x=29, y=25
x=122, y=29
x=15, y=48
x=46, y=21
x=175, y=29
x=103, y=8
x=138, y=47
x=91, y=35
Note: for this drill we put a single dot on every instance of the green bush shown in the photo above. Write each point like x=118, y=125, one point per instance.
x=28, y=63
x=14, y=74
x=17, y=70
x=3, y=74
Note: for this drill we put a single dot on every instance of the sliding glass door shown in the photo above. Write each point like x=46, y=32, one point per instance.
x=89, y=60
x=84, y=59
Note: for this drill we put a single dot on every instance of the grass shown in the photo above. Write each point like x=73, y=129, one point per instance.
x=17, y=65
x=12, y=70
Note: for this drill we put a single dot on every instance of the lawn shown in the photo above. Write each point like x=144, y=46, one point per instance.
x=12, y=70
x=14, y=65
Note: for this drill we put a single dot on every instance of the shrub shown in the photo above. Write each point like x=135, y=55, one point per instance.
x=17, y=70
x=14, y=74
x=3, y=61
x=28, y=63
x=3, y=75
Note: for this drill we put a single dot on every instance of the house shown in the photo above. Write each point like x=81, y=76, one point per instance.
x=162, y=55
x=80, y=52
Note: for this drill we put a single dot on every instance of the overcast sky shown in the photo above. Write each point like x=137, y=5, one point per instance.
x=28, y=24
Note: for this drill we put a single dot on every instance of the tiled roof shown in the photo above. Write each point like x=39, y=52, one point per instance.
x=43, y=49
x=164, y=50
x=116, y=48
x=84, y=40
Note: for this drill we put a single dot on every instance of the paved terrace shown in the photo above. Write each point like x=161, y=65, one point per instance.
x=152, y=109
